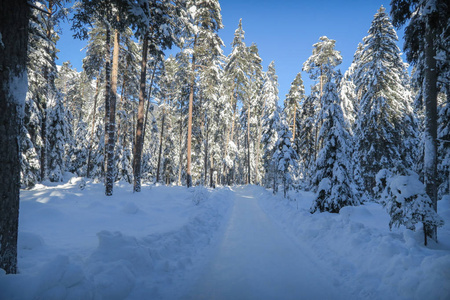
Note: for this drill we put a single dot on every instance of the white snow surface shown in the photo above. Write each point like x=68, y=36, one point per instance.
x=226, y=243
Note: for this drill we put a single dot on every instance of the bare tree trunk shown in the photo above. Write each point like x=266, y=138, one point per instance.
x=160, y=146
x=212, y=183
x=120, y=127
x=110, y=176
x=189, y=137
x=94, y=113
x=206, y=152
x=137, y=150
x=180, y=166
x=14, y=17
x=150, y=90
x=248, y=146
x=429, y=90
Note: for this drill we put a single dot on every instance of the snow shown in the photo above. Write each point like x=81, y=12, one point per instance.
x=199, y=243
x=369, y=259
x=18, y=89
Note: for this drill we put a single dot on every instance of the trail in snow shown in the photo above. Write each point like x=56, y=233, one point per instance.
x=256, y=260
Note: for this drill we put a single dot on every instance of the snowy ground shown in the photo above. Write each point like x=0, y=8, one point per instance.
x=239, y=243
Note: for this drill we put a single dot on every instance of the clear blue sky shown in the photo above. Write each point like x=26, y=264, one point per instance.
x=284, y=31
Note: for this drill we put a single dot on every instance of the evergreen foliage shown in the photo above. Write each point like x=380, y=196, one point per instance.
x=384, y=101
x=333, y=176
x=406, y=201
x=285, y=158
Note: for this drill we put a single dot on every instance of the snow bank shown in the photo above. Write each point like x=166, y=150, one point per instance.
x=369, y=259
x=79, y=244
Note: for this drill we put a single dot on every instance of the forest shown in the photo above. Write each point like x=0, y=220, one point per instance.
x=375, y=132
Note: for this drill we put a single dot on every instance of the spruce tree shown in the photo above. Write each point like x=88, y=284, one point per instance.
x=285, y=158
x=204, y=45
x=384, y=101
x=333, y=178
x=307, y=136
x=424, y=34
x=292, y=104
x=270, y=125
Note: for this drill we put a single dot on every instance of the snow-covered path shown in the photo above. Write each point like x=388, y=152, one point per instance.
x=256, y=260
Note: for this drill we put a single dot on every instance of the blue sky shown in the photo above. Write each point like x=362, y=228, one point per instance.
x=284, y=31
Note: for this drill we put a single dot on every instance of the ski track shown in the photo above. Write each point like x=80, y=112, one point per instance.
x=255, y=259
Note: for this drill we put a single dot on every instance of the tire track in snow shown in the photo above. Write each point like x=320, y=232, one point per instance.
x=256, y=260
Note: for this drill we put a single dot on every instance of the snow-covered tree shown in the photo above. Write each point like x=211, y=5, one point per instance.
x=385, y=100
x=333, y=178
x=307, y=136
x=406, y=201
x=77, y=158
x=204, y=46
x=29, y=161
x=270, y=124
x=444, y=146
x=425, y=33
x=323, y=54
x=59, y=131
x=285, y=158
x=292, y=105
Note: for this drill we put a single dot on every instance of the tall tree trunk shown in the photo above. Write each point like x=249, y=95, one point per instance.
x=212, y=182
x=258, y=147
x=158, y=168
x=14, y=17
x=137, y=150
x=189, y=137
x=294, y=126
x=206, y=151
x=248, y=147
x=180, y=140
x=107, y=93
x=94, y=114
x=43, y=156
x=110, y=176
x=50, y=80
x=429, y=90
x=150, y=90
x=121, y=127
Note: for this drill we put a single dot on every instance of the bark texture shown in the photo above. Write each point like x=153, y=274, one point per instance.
x=137, y=155
x=14, y=16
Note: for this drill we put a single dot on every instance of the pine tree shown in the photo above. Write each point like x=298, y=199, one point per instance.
x=29, y=161
x=205, y=45
x=270, y=125
x=157, y=25
x=406, y=201
x=384, y=100
x=42, y=69
x=79, y=156
x=333, y=177
x=58, y=132
x=14, y=17
x=292, y=104
x=323, y=55
x=307, y=136
x=428, y=22
x=285, y=158
x=348, y=94
x=237, y=83
x=444, y=146
x=31, y=143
